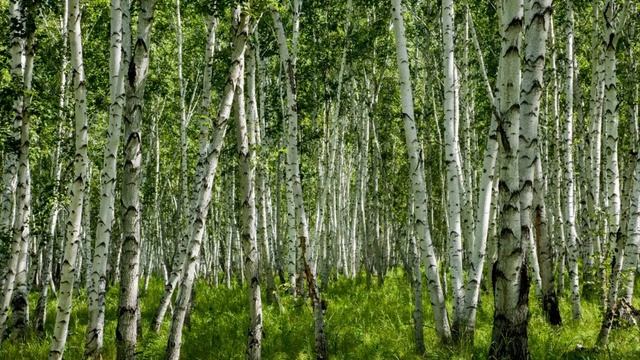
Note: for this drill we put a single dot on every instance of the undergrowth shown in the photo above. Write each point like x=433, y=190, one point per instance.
x=362, y=322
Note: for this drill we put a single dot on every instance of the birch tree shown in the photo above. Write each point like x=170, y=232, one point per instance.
x=127, y=329
x=78, y=187
x=484, y=204
x=610, y=38
x=205, y=105
x=510, y=274
x=204, y=185
x=537, y=23
x=120, y=42
x=572, y=247
x=10, y=163
x=452, y=160
x=294, y=183
x=50, y=237
x=9, y=173
x=245, y=140
x=416, y=163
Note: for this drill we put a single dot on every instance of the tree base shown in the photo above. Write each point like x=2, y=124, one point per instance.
x=509, y=340
x=551, y=309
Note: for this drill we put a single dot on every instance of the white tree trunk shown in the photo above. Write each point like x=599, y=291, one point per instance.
x=484, y=208
x=10, y=163
x=569, y=208
x=452, y=161
x=610, y=37
x=204, y=187
x=127, y=329
x=294, y=180
x=118, y=63
x=246, y=195
x=595, y=262
x=78, y=186
x=418, y=187
x=510, y=274
x=176, y=269
x=632, y=248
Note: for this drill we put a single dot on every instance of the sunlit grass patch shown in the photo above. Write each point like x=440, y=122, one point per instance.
x=362, y=322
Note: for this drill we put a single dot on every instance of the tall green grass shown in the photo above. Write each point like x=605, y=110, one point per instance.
x=361, y=323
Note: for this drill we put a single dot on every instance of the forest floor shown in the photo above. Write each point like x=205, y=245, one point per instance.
x=361, y=323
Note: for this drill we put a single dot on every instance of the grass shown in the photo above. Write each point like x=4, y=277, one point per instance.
x=361, y=323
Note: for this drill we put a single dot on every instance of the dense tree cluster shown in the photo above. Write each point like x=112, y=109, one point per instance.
x=277, y=146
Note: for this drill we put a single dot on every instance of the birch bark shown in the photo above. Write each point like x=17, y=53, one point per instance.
x=127, y=329
x=246, y=195
x=570, y=216
x=418, y=187
x=118, y=63
x=294, y=180
x=204, y=187
x=452, y=161
x=78, y=186
x=510, y=274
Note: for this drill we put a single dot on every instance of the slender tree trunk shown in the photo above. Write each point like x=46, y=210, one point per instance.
x=22, y=223
x=633, y=240
x=556, y=225
x=294, y=181
x=595, y=263
x=78, y=186
x=119, y=53
x=452, y=161
x=246, y=196
x=484, y=208
x=263, y=219
x=204, y=186
x=10, y=161
x=537, y=22
x=572, y=246
x=176, y=270
x=418, y=187
x=418, y=318
x=610, y=38
x=632, y=249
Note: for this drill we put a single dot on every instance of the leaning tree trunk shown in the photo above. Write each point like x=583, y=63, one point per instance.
x=248, y=233
x=418, y=187
x=204, y=187
x=183, y=200
x=483, y=210
x=287, y=61
x=118, y=64
x=127, y=329
x=205, y=104
x=510, y=274
x=78, y=187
